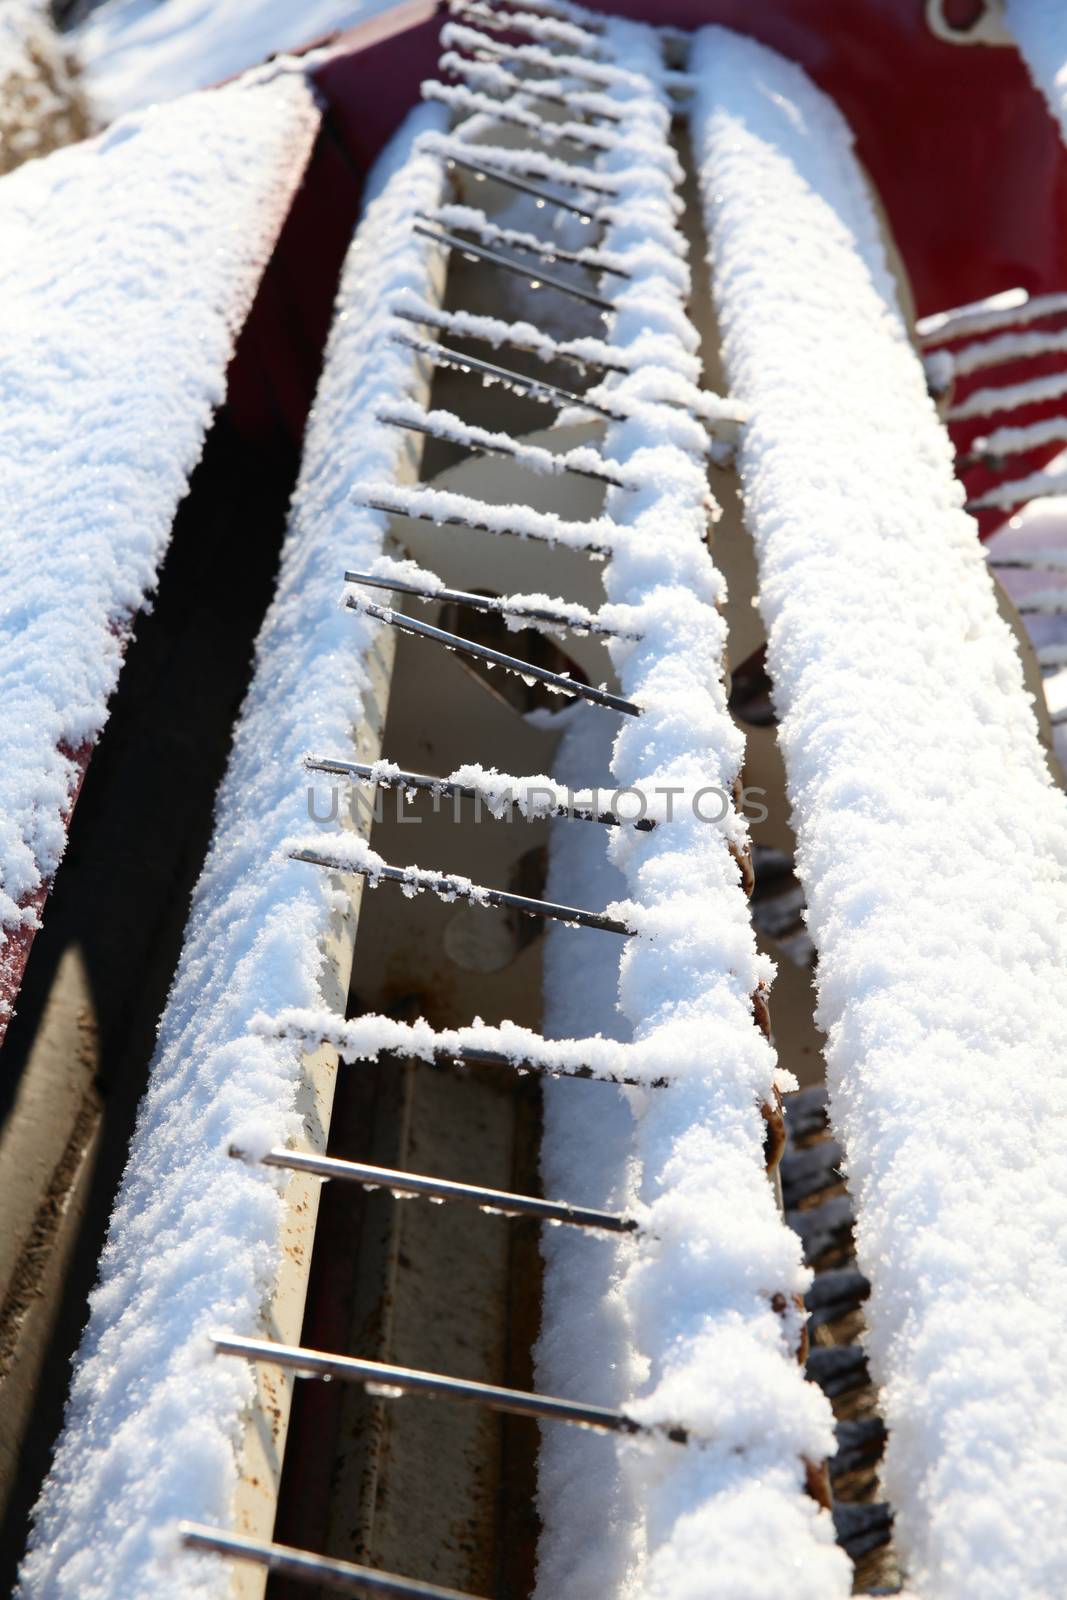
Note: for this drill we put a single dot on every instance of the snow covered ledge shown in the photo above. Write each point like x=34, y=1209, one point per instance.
x=128, y=266
x=697, y=1318
x=158, y=1428
x=932, y=845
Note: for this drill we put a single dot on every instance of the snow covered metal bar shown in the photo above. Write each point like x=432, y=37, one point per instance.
x=346, y=855
x=536, y=388
x=1010, y=397
x=553, y=616
x=458, y=158
x=444, y=508
x=703, y=1324
x=498, y=791
x=518, y=269
x=155, y=1428
x=1012, y=309
x=367, y=1037
x=112, y=376
x=583, y=460
x=932, y=843
x=556, y=682
x=474, y=221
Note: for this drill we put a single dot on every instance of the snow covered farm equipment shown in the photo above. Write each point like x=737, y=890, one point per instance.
x=606, y=511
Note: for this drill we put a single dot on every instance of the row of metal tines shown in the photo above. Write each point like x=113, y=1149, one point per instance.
x=496, y=77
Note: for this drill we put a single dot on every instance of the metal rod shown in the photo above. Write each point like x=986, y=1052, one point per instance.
x=460, y=888
x=496, y=658
x=431, y=785
x=493, y=446
x=342, y=1577
x=474, y=1056
x=479, y=104
x=376, y=503
x=523, y=185
x=507, y=264
x=390, y=1382
x=536, y=388
x=492, y=605
x=528, y=242
x=444, y=321
x=562, y=34
x=509, y=1205
x=451, y=61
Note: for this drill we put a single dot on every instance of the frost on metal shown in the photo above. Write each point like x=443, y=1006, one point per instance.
x=129, y=264
x=932, y=844
x=154, y=1421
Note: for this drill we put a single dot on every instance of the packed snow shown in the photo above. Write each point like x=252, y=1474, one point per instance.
x=139, y=51
x=679, y=1328
x=932, y=844
x=129, y=264
x=154, y=1423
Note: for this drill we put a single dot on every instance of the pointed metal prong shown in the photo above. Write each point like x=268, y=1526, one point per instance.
x=479, y=439
x=535, y=388
x=462, y=889
x=303, y=1566
x=551, y=30
x=445, y=321
x=482, y=652
x=510, y=181
x=478, y=72
x=415, y=1183
x=476, y=103
x=519, y=269
x=394, y=508
x=517, y=239
x=390, y=1382
x=428, y=784
x=491, y=605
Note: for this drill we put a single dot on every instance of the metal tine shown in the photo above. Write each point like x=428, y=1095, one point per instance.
x=392, y=509
x=416, y=1183
x=303, y=1566
x=558, y=12
x=492, y=605
x=444, y=321
x=390, y=1382
x=536, y=388
x=544, y=248
x=462, y=889
x=476, y=103
x=495, y=448
x=532, y=89
x=496, y=658
x=600, y=73
x=475, y=1056
x=484, y=252
x=431, y=785
x=545, y=197
x=554, y=33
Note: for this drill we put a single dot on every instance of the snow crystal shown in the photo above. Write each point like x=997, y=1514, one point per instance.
x=129, y=263
x=154, y=1422
x=931, y=844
